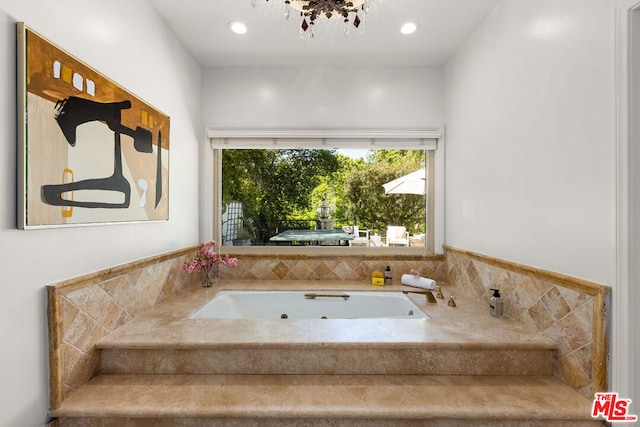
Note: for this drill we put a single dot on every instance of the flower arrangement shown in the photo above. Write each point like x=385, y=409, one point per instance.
x=205, y=259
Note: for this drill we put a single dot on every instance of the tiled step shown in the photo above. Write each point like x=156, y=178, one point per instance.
x=336, y=358
x=324, y=400
x=459, y=368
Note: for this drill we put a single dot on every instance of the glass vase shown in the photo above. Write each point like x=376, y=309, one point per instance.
x=210, y=276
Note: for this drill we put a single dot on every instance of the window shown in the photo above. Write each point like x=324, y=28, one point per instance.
x=361, y=195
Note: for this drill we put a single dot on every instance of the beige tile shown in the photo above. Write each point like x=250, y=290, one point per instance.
x=577, y=326
x=541, y=286
x=526, y=292
x=68, y=313
x=299, y=269
x=573, y=298
x=281, y=270
x=479, y=288
x=159, y=272
x=584, y=355
x=121, y=289
x=555, y=304
x=70, y=356
x=540, y=316
x=148, y=288
x=472, y=273
x=364, y=270
x=454, y=275
x=557, y=334
x=80, y=333
x=83, y=370
x=323, y=271
x=572, y=371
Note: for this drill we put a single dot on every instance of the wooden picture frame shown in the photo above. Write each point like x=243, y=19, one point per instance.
x=89, y=151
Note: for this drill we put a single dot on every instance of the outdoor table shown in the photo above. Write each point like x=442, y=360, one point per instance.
x=311, y=236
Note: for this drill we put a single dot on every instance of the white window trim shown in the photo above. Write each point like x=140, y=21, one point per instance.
x=394, y=138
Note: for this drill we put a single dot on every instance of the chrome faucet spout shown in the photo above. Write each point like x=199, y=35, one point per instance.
x=428, y=295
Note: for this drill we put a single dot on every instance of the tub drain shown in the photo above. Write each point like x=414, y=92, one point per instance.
x=284, y=316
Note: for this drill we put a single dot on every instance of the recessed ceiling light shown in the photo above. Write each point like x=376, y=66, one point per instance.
x=409, y=28
x=238, y=27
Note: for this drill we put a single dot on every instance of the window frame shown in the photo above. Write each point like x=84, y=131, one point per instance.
x=430, y=139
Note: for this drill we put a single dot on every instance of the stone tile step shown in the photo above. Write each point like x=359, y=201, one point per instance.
x=324, y=400
x=306, y=422
x=344, y=359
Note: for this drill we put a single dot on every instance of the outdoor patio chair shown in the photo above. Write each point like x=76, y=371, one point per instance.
x=360, y=237
x=376, y=241
x=397, y=235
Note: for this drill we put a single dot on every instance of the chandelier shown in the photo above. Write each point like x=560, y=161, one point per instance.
x=311, y=10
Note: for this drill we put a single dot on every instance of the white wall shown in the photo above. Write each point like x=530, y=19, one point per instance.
x=529, y=109
x=630, y=334
x=124, y=40
x=338, y=97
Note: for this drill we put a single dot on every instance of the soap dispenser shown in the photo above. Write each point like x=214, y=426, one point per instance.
x=496, y=305
x=388, y=277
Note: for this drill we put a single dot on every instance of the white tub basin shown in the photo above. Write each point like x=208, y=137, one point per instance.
x=294, y=305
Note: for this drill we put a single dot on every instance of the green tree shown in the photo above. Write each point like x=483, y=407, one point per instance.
x=369, y=206
x=277, y=186
x=274, y=185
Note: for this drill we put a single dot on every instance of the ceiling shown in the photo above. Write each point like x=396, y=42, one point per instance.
x=272, y=41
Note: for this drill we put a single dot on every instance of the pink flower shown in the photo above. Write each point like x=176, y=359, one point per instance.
x=207, y=257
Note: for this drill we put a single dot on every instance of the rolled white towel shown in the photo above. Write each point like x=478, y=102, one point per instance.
x=417, y=281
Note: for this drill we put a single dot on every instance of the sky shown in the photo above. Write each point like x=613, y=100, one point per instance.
x=354, y=153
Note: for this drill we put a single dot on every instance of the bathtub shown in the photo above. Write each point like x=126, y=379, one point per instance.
x=309, y=305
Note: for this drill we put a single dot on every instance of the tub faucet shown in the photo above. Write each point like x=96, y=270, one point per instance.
x=428, y=295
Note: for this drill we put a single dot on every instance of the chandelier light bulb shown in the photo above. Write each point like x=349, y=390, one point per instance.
x=287, y=9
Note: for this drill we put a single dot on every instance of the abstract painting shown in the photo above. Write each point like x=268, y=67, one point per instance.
x=89, y=151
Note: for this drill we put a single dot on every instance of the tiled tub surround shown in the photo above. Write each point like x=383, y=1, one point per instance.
x=81, y=314
x=459, y=368
x=84, y=309
x=572, y=312
x=332, y=267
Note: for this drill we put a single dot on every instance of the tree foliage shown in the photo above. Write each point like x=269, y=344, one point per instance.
x=274, y=184
x=367, y=201
x=286, y=185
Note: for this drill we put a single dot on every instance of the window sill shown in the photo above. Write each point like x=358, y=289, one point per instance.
x=287, y=252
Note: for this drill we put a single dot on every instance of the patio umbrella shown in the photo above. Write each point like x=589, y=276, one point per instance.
x=412, y=183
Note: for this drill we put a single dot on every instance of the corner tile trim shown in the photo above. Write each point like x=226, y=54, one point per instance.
x=55, y=343
x=600, y=293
